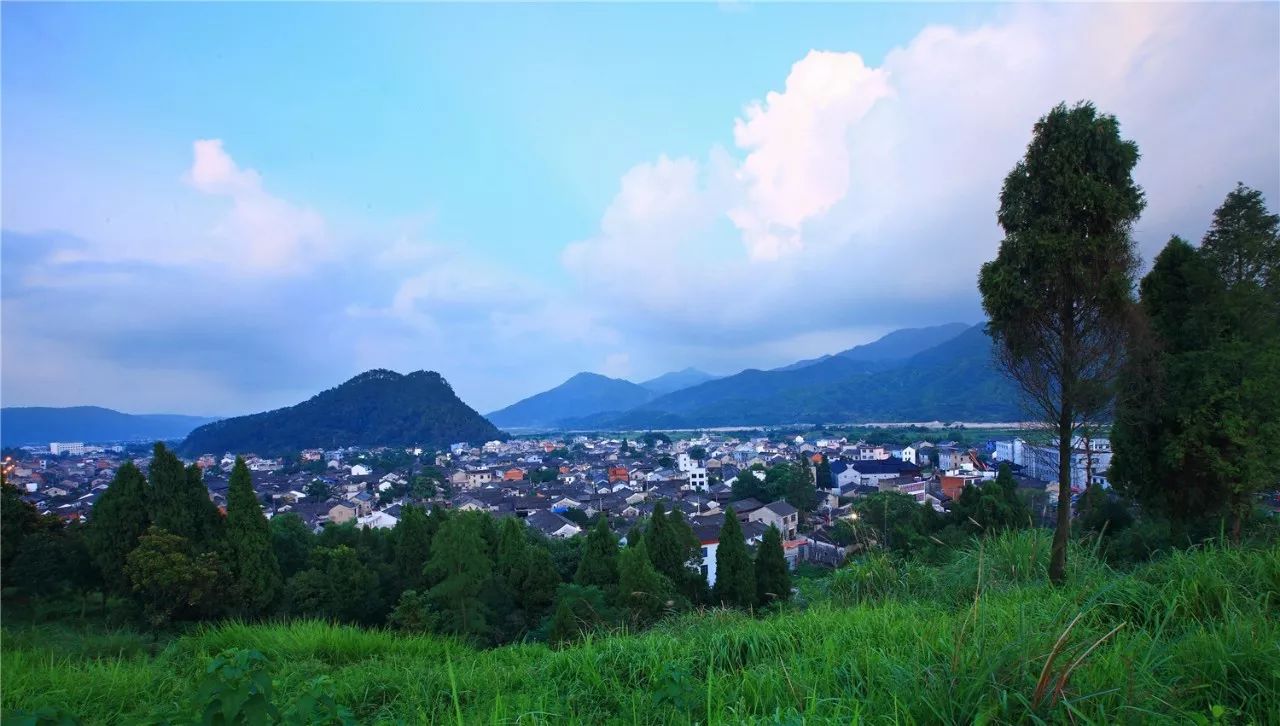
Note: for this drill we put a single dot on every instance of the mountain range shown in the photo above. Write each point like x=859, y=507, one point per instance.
x=93, y=424
x=942, y=372
x=377, y=407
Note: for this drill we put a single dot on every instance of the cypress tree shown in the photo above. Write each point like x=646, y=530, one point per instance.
x=413, y=533
x=119, y=518
x=642, y=591
x=773, y=578
x=823, y=474
x=538, y=584
x=179, y=501
x=511, y=559
x=254, y=570
x=662, y=546
x=599, y=564
x=735, y=576
x=461, y=567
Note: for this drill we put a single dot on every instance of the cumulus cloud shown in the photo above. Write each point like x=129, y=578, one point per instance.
x=260, y=231
x=869, y=193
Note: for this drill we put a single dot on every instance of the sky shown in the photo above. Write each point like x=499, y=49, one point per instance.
x=218, y=209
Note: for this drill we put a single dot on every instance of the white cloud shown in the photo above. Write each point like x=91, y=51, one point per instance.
x=866, y=196
x=261, y=232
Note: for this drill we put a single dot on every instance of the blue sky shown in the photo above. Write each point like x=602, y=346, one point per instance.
x=219, y=208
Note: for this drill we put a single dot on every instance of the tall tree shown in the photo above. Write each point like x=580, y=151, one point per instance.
x=773, y=577
x=1243, y=242
x=180, y=501
x=599, y=564
x=118, y=519
x=735, y=575
x=1058, y=293
x=292, y=541
x=687, y=579
x=1243, y=245
x=251, y=560
x=1170, y=449
x=823, y=473
x=413, y=534
x=461, y=566
x=643, y=592
x=538, y=585
x=170, y=579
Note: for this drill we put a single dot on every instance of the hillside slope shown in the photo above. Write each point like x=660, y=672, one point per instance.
x=378, y=407
x=582, y=395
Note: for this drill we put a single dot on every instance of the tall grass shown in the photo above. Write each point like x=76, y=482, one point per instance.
x=1188, y=636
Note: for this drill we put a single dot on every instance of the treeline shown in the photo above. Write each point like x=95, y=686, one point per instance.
x=160, y=545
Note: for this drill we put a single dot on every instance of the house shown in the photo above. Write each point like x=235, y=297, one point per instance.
x=871, y=472
x=341, y=513
x=378, y=520
x=360, y=470
x=698, y=479
x=479, y=477
x=908, y=453
x=779, y=514
x=619, y=474
x=552, y=524
x=744, y=507
x=513, y=474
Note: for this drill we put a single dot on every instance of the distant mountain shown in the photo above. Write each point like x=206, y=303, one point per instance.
x=951, y=381
x=676, y=380
x=90, y=424
x=582, y=395
x=376, y=407
x=893, y=347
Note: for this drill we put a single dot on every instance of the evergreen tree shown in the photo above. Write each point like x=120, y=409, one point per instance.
x=179, y=501
x=643, y=593
x=538, y=584
x=1243, y=243
x=413, y=534
x=773, y=577
x=18, y=518
x=118, y=519
x=823, y=474
x=462, y=568
x=579, y=609
x=674, y=551
x=251, y=560
x=599, y=564
x=292, y=543
x=1058, y=295
x=511, y=560
x=798, y=488
x=171, y=580
x=735, y=576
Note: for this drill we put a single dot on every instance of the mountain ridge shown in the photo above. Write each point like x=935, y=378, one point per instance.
x=24, y=425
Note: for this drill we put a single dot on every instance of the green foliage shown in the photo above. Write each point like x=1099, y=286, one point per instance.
x=339, y=586
x=317, y=490
x=414, y=612
x=773, y=577
x=1243, y=242
x=643, y=593
x=171, y=580
x=991, y=506
x=461, y=567
x=255, y=574
x=579, y=610
x=118, y=519
x=599, y=564
x=418, y=409
x=412, y=535
x=895, y=521
x=1197, y=644
x=291, y=541
x=735, y=573
x=1058, y=293
x=17, y=519
x=179, y=501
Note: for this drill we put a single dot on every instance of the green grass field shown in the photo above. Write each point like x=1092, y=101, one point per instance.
x=1191, y=638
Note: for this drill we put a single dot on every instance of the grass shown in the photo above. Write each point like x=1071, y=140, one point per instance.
x=1193, y=637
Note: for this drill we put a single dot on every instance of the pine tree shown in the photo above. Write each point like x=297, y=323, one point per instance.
x=413, y=534
x=179, y=501
x=461, y=567
x=599, y=564
x=292, y=542
x=118, y=519
x=773, y=577
x=254, y=570
x=538, y=584
x=511, y=560
x=642, y=592
x=735, y=576
x=823, y=474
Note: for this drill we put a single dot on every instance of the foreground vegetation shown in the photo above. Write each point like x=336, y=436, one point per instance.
x=1190, y=637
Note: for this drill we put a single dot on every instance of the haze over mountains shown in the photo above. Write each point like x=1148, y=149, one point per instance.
x=918, y=374
x=42, y=424
x=942, y=372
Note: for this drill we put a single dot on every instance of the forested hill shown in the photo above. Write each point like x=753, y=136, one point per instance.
x=376, y=407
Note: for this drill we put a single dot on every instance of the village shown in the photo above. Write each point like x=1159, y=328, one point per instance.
x=562, y=486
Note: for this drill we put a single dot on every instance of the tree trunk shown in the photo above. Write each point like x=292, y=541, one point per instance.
x=1058, y=555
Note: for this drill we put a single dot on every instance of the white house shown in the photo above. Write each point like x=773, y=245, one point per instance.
x=698, y=479
x=360, y=470
x=908, y=453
